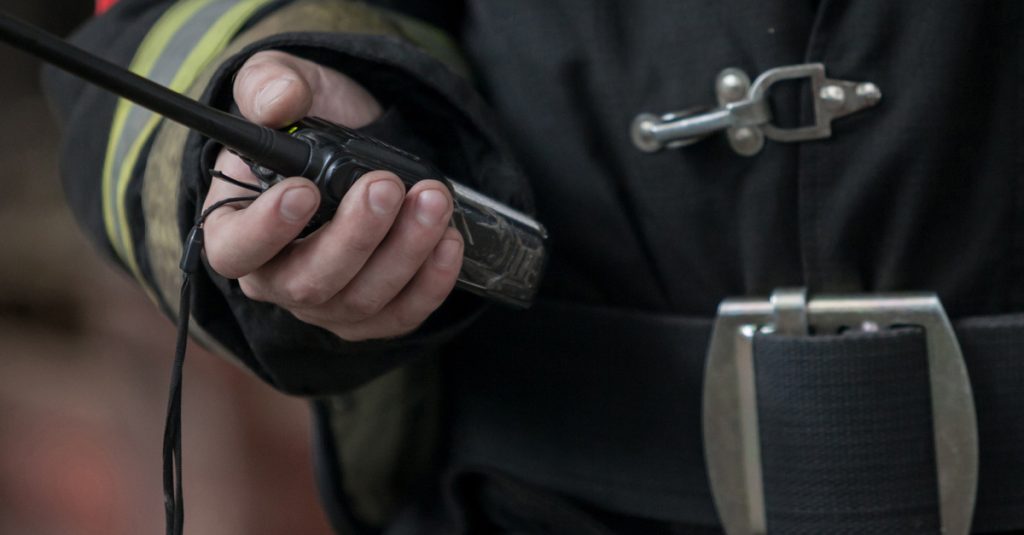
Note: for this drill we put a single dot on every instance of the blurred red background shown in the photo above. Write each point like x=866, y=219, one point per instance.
x=85, y=362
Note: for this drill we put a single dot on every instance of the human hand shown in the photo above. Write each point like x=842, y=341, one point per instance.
x=385, y=261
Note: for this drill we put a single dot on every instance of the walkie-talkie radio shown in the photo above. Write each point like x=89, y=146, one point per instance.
x=504, y=249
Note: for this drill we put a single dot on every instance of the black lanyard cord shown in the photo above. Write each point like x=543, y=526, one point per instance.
x=174, y=502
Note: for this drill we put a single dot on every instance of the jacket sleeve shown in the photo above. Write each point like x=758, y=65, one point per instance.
x=135, y=180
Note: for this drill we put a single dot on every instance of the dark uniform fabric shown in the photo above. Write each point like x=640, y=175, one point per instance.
x=923, y=192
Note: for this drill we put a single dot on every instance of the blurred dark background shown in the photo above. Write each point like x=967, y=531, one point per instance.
x=85, y=362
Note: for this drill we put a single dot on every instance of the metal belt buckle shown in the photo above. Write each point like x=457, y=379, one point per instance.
x=730, y=418
x=743, y=111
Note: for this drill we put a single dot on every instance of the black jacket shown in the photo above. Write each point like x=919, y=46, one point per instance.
x=923, y=192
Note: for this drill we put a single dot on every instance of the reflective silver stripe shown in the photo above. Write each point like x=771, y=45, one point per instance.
x=180, y=45
x=164, y=71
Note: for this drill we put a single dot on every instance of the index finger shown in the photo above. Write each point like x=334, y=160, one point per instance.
x=241, y=240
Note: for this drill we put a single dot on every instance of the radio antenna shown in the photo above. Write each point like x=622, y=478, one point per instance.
x=274, y=150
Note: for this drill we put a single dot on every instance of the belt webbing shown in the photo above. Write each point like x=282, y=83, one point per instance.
x=846, y=433
x=609, y=411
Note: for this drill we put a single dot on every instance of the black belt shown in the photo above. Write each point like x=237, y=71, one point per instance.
x=604, y=405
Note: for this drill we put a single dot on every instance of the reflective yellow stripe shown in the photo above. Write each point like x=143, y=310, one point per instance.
x=117, y=173
x=143, y=62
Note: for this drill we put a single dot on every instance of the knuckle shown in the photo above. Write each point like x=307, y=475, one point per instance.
x=251, y=289
x=406, y=320
x=440, y=285
x=221, y=263
x=435, y=295
x=361, y=246
x=307, y=316
x=305, y=292
x=351, y=334
x=361, y=306
x=416, y=250
x=392, y=286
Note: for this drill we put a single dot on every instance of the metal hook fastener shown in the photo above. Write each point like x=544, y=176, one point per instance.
x=744, y=114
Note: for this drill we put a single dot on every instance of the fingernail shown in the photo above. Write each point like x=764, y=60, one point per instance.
x=431, y=207
x=270, y=93
x=447, y=253
x=385, y=196
x=297, y=204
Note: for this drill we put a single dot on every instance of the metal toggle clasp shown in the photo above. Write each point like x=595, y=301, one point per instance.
x=744, y=114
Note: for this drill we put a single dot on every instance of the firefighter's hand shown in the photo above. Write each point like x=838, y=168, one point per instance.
x=379, y=268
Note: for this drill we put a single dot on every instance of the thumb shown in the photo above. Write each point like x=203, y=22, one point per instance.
x=271, y=90
x=275, y=89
